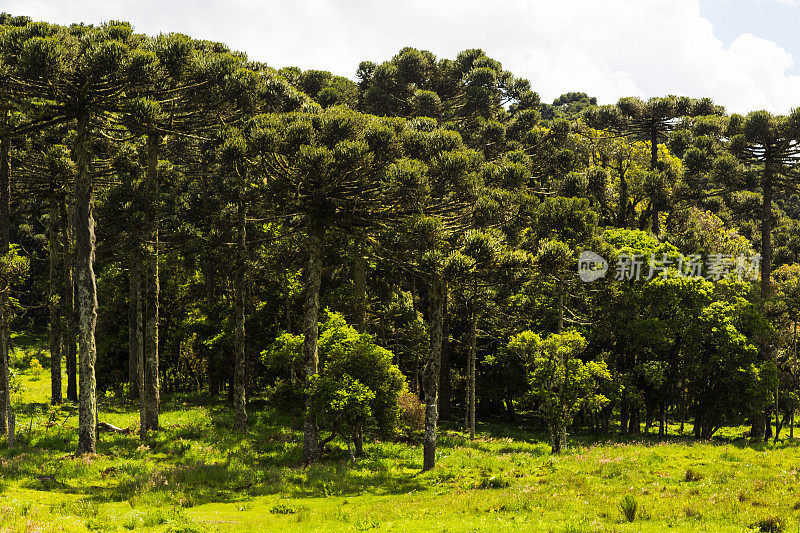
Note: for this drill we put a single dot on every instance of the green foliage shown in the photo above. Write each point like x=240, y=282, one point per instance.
x=411, y=418
x=358, y=382
x=13, y=270
x=628, y=506
x=340, y=403
x=562, y=383
x=692, y=475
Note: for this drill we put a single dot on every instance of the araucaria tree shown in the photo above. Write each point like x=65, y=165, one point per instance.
x=397, y=248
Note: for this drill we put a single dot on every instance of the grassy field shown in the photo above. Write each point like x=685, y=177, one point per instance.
x=196, y=475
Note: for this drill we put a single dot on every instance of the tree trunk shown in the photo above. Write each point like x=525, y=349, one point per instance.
x=240, y=366
x=56, y=328
x=473, y=329
x=311, y=332
x=445, y=387
x=656, y=223
x=624, y=412
x=510, y=409
x=5, y=319
x=87, y=290
x=622, y=217
x=634, y=427
x=430, y=380
x=794, y=381
x=358, y=441
x=558, y=438
x=767, y=425
x=759, y=427
x=360, y=284
x=560, y=324
x=68, y=301
x=135, y=333
x=150, y=393
x=698, y=423
x=779, y=426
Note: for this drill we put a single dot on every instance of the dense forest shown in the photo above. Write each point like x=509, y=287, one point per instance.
x=371, y=256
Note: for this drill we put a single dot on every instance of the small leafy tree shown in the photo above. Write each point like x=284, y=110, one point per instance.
x=357, y=387
x=343, y=404
x=563, y=383
x=13, y=271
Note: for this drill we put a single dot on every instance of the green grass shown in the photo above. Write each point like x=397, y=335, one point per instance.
x=197, y=475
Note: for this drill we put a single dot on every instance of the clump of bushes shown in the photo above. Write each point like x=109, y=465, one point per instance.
x=628, y=506
x=283, y=509
x=692, y=475
x=492, y=482
x=35, y=368
x=411, y=419
x=771, y=524
x=356, y=390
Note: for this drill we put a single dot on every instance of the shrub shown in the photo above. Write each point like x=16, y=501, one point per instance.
x=691, y=512
x=692, y=475
x=283, y=509
x=628, y=507
x=412, y=415
x=771, y=524
x=371, y=381
x=35, y=366
x=492, y=482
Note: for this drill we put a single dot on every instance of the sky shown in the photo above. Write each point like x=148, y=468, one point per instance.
x=742, y=53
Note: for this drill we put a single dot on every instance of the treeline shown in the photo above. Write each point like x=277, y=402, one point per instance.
x=177, y=217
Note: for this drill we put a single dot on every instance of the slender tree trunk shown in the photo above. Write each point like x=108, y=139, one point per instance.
x=624, y=412
x=473, y=336
x=287, y=304
x=430, y=379
x=467, y=403
x=215, y=377
x=622, y=217
x=510, y=410
x=68, y=301
x=239, y=398
x=150, y=393
x=560, y=325
x=767, y=425
x=311, y=331
x=358, y=442
x=56, y=328
x=287, y=308
x=698, y=422
x=794, y=381
x=5, y=308
x=360, y=284
x=656, y=224
x=87, y=290
x=634, y=427
x=135, y=332
x=558, y=438
x=759, y=427
x=445, y=387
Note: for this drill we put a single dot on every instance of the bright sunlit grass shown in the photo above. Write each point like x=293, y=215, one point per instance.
x=197, y=475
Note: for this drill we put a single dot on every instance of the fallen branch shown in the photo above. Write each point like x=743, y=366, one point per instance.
x=105, y=426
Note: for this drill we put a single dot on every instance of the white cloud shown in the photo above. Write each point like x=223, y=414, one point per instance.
x=608, y=49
